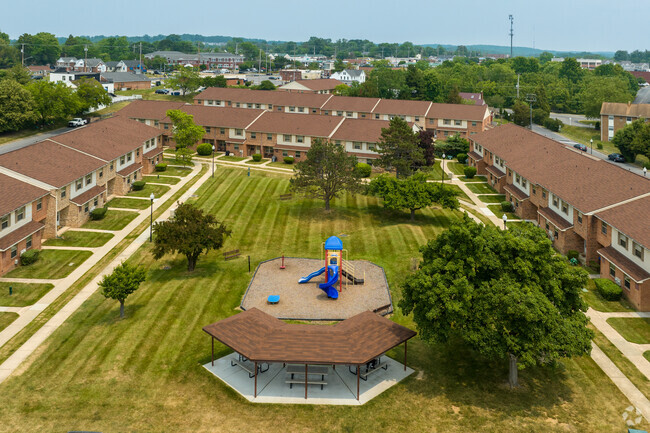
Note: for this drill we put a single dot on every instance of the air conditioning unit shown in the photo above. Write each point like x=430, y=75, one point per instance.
x=22, y=251
x=16, y=262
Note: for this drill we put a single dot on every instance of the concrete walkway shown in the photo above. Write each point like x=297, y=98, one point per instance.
x=61, y=285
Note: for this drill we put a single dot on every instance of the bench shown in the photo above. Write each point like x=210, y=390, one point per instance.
x=248, y=366
x=291, y=381
x=296, y=374
x=365, y=375
x=286, y=196
x=231, y=254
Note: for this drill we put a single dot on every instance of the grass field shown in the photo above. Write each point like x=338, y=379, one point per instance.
x=157, y=190
x=633, y=329
x=231, y=158
x=262, y=161
x=72, y=238
x=51, y=264
x=128, y=203
x=111, y=108
x=144, y=373
x=481, y=188
x=161, y=179
x=498, y=211
x=280, y=164
x=6, y=319
x=114, y=220
x=492, y=198
x=23, y=294
x=176, y=171
x=598, y=303
x=150, y=94
x=455, y=167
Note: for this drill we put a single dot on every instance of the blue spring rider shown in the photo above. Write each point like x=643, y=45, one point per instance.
x=333, y=262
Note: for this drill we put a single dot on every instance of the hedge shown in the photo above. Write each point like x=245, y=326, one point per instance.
x=462, y=158
x=506, y=206
x=138, y=185
x=363, y=169
x=204, y=149
x=288, y=159
x=257, y=157
x=29, y=257
x=470, y=172
x=608, y=289
x=161, y=166
x=98, y=213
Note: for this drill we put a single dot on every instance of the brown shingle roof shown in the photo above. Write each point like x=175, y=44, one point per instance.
x=554, y=218
x=475, y=113
x=18, y=235
x=495, y=171
x=635, y=271
x=632, y=218
x=567, y=174
x=261, y=337
x=320, y=84
x=403, y=107
x=351, y=103
x=366, y=130
x=15, y=193
x=110, y=138
x=130, y=169
x=311, y=100
x=220, y=117
x=513, y=190
x=628, y=110
x=50, y=163
x=312, y=125
x=152, y=110
x=93, y=192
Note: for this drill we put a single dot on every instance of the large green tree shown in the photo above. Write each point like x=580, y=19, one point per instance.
x=191, y=232
x=16, y=106
x=53, y=101
x=186, y=132
x=399, y=148
x=633, y=140
x=521, y=113
x=413, y=193
x=505, y=293
x=91, y=94
x=327, y=172
x=40, y=49
x=123, y=281
x=599, y=89
x=185, y=79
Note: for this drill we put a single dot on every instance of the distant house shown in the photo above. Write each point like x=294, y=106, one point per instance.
x=90, y=65
x=128, y=66
x=68, y=77
x=349, y=76
x=112, y=67
x=66, y=63
x=311, y=86
x=475, y=98
x=126, y=80
x=210, y=60
x=617, y=115
x=39, y=71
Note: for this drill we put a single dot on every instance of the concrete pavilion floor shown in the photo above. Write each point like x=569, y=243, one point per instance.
x=341, y=388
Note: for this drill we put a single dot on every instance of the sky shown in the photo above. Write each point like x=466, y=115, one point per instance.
x=564, y=25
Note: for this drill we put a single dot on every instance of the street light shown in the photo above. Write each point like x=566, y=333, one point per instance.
x=505, y=221
x=591, y=142
x=442, y=164
x=645, y=170
x=213, y=161
x=151, y=197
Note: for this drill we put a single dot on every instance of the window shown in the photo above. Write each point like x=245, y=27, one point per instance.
x=86, y=208
x=89, y=179
x=348, y=113
x=14, y=251
x=547, y=226
x=156, y=123
x=63, y=192
x=292, y=109
x=4, y=222
x=458, y=122
x=565, y=208
x=111, y=166
x=337, y=142
x=300, y=138
x=236, y=147
x=269, y=136
x=286, y=137
x=579, y=218
x=301, y=109
x=473, y=123
x=629, y=119
x=129, y=156
x=80, y=183
x=95, y=202
x=39, y=204
x=258, y=106
x=239, y=132
x=637, y=250
x=285, y=153
x=363, y=115
x=249, y=105
x=603, y=228
x=517, y=178
x=417, y=118
x=270, y=106
x=447, y=122
x=313, y=110
x=101, y=173
x=376, y=116
x=612, y=270
x=356, y=145
x=326, y=113
x=556, y=234
x=122, y=160
x=622, y=240
x=238, y=105
x=222, y=131
x=543, y=193
x=626, y=282
x=371, y=146
x=253, y=135
x=556, y=202
x=166, y=126
x=297, y=154
x=28, y=242
x=339, y=113
x=534, y=190
x=207, y=129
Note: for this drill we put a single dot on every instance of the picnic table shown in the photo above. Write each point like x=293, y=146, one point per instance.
x=296, y=375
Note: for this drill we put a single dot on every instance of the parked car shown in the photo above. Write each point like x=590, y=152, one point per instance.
x=580, y=147
x=162, y=91
x=616, y=157
x=77, y=121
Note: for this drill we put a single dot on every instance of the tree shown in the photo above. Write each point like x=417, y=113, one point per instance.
x=621, y=55
x=266, y=85
x=17, y=73
x=571, y=70
x=630, y=140
x=453, y=146
x=53, y=101
x=521, y=113
x=505, y=293
x=190, y=232
x=186, y=132
x=124, y=280
x=186, y=79
x=338, y=66
x=599, y=89
x=40, y=49
x=413, y=193
x=399, y=148
x=183, y=155
x=326, y=173
x=91, y=94
x=453, y=97
x=218, y=81
x=545, y=57
x=16, y=106
x=428, y=146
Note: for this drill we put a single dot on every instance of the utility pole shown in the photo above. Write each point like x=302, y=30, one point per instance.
x=198, y=44
x=22, y=55
x=518, y=86
x=259, y=62
x=85, y=58
x=531, y=98
x=512, y=20
x=140, y=58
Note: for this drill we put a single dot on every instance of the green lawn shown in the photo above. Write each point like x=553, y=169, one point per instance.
x=157, y=190
x=455, y=167
x=161, y=179
x=144, y=373
x=481, y=188
x=51, y=264
x=496, y=210
x=231, y=158
x=72, y=238
x=280, y=164
x=6, y=319
x=598, y=303
x=474, y=179
x=128, y=203
x=175, y=171
x=492, y=198
x=262, y=161
x=460, y=192
x=23, y=294
x=114, y=220
x=633, y=329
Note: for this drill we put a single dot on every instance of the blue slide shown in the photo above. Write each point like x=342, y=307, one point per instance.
x=329, y=286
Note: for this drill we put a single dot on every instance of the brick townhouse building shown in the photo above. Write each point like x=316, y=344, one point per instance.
x=321, y=85
x=615, y=116
x=271, y=100
x=23, y=210
x=569, y=194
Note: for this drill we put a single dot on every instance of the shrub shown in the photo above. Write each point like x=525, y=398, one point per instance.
x=470, y=172
x=462, y=158
x=363, y=169
x=161, y=166
x=599, y=145
x=540, y=116
x=138, y=185
x=28, y=257
x=98, y=214
x=597, y=125
x=608, y=289
x=506, y=206
x=204, y=149
x=288, y=159
x=572, y=254
x=552, y=124
x=257, y=157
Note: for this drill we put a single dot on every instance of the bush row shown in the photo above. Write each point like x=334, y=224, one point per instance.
x=608, y=289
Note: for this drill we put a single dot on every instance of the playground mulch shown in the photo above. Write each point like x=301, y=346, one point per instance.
x=307, y=301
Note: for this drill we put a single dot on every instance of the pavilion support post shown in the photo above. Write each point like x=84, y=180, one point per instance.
x=212, y=338
x=358, y=381
x=405, y=346
x=255, y=392
x=306, y=372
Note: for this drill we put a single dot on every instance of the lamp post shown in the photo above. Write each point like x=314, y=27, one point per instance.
x=591, y=142
x=645, y=171
x=151, y=197
x=442, y=166
x=505, y=221
x=213, y=161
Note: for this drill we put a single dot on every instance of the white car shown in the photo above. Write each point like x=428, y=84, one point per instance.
x=77, y=121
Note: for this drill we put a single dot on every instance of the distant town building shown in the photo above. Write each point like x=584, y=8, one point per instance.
x=210, y=60
x=476, y=98
x=590, y=64
x=312, y=86
x=615, y=116
x=349, y=76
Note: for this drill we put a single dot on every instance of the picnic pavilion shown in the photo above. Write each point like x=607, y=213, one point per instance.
x=307, y=351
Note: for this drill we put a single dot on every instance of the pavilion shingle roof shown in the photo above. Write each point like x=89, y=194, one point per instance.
x=320, y=84
x=623, y=109
x=263, y=338
x=630, y=268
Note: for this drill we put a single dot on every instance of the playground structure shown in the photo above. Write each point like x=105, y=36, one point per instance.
x=336, y=268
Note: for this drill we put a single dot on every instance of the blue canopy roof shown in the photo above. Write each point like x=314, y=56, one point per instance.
x=333, y=243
